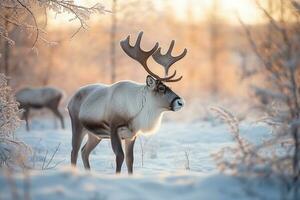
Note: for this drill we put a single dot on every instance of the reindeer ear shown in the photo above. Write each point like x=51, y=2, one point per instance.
x=151, y=82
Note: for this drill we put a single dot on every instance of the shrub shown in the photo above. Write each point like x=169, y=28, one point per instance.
x=11, y=149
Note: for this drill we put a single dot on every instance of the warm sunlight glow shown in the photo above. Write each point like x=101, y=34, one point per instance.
x=197, y=99
x=245, y=9
x=229, y=10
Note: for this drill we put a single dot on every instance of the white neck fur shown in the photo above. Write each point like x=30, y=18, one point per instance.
x=148, y=120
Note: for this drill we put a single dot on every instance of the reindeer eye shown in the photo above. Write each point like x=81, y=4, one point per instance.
x=161, y=89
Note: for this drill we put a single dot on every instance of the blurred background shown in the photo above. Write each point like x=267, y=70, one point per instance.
x=212, y=30
x=242, y=68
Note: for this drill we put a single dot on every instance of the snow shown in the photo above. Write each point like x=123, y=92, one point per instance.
x=165, y=173
x=73, y=184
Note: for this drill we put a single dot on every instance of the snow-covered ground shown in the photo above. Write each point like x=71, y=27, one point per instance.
x=176, y=164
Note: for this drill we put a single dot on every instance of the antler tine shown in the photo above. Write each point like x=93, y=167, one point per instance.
x=171, y=47
x=138, y=40
x=135, y=51
x=168, y=60
x=174, y=80
x=127, y=40
x=140, y=55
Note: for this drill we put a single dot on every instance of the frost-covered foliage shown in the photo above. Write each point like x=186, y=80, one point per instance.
x=232, y=159
x=276, y=157
x=9, y=120
x=277, y=47
x=11, y=150
x=25, y=15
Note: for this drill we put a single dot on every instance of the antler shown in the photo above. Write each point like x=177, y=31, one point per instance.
x=142, y=56
x=167, y=60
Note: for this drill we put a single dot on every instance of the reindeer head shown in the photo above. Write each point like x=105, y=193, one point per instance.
x=163, y=96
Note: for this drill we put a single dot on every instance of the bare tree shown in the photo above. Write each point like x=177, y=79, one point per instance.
x=15, y=10
x=6, y=52
x=23, y=16
x=129, y=12
x=51, y=54
x=277, y=47
x=213, y=52
x=279, y=60
x=113, y=30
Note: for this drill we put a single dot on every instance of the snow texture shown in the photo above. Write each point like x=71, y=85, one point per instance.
x=177, y=164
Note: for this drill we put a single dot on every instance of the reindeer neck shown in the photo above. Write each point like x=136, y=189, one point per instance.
x=148, y=118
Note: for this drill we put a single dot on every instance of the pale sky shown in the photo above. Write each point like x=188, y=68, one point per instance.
x=229, y=9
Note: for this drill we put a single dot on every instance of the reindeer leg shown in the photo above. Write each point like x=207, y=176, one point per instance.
x=91, y=143
x=117, y=148
x=59, y=115
x=129, y=145
x=77, y=136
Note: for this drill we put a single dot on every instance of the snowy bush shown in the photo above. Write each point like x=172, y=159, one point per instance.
x=276, y=157
x=278, y=51
x=276, y=46
x=11, y=150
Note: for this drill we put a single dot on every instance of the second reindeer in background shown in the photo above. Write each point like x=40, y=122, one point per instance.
x=37, y=98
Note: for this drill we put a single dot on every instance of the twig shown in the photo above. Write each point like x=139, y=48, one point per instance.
x=44, y=161
x=55, y=165
x=54, y=153
x=35, y=22
x=187, y=159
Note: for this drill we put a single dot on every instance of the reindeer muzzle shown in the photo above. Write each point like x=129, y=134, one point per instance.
x=177, y=103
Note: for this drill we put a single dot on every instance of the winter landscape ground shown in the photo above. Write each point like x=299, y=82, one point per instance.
x=176, y=164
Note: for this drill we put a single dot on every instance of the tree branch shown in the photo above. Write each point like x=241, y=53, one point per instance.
x=34, y=20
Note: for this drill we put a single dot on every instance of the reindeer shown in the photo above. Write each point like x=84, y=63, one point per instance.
x=124, y=109
x=44, y=97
